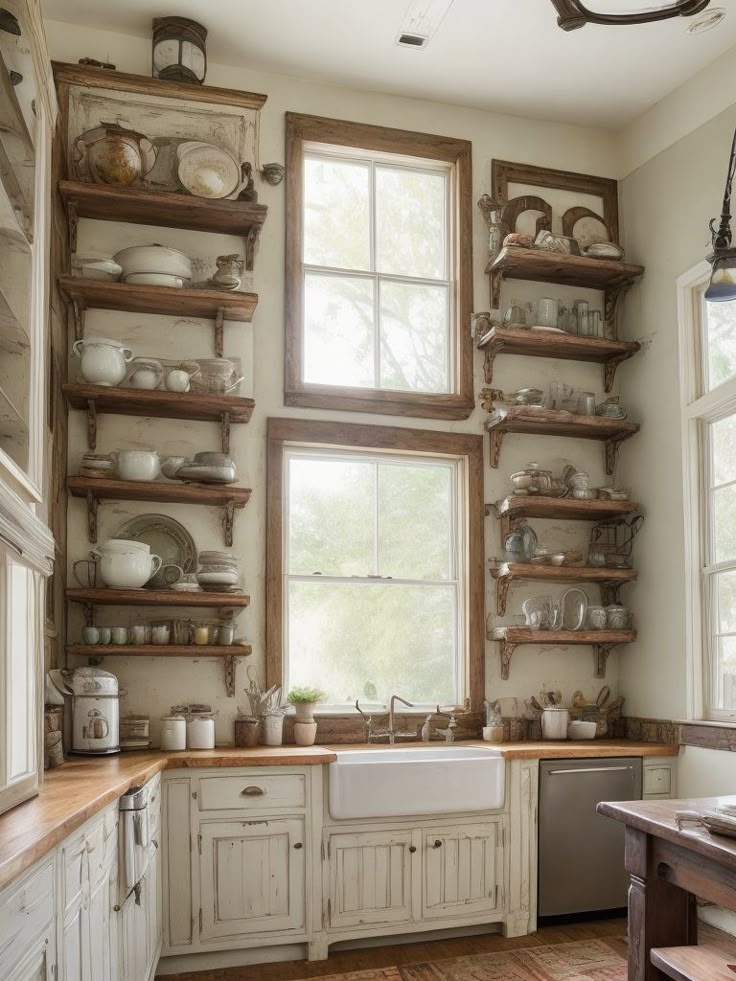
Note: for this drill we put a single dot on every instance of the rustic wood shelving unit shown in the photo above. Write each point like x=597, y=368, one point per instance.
x=551, y=422
x=602, y=642
x=91, y=597
x=550, y=344
x=538, y=265
x=223, y=409
x=96, y=489
x=560, y=508
x=217, y=305
x=610, y=580
x=128, y=204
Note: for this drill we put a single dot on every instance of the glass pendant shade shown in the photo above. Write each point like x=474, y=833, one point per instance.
x=179, y=52
x=722, y=286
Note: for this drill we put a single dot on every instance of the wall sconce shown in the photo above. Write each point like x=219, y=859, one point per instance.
x=723, y=277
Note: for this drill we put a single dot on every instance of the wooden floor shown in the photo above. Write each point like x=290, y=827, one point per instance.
x=612, y=931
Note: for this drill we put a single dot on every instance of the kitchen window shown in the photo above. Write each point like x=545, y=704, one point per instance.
x=708, y=384
x=375, y=563
x=378, y=270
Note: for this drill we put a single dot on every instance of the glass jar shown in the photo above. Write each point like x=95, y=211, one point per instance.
x=201, y=732
x=618, y=618
x=597, y=618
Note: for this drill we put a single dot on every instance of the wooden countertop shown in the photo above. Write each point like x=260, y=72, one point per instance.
x=84, y=785
x=657, y=817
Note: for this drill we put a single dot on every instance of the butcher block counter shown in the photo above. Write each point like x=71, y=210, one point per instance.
x=83, y=786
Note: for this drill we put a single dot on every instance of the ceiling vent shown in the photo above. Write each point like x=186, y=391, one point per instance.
x=420, y=22
x=411, y=40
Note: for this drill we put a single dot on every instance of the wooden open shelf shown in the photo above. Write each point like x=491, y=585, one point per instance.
x=128, y=204
x=96, y=489
x=539, y=265
x=551, y=344
x=602, y=641
x=216, y=305
x=553, y=422
x=156, y=597
x=561, y=508
x=610, y=580
x=228, y=654
x=223, y=409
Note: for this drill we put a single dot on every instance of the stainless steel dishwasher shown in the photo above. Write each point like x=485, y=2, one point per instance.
x=581, y=853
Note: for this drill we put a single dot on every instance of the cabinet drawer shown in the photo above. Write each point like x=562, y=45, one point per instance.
x=251, y=791
x=657, y=779
x=26, y=910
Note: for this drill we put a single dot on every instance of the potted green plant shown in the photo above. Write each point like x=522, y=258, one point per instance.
x=304, y=701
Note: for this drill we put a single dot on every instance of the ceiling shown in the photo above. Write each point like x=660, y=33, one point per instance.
x=506, y=55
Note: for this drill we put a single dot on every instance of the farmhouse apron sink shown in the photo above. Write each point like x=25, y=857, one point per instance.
x=414, y=780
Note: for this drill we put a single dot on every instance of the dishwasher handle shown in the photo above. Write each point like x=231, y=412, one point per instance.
x=592, y=769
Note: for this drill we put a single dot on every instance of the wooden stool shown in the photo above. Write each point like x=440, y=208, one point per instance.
x=701, y=963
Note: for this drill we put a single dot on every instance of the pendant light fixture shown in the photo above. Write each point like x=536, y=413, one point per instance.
x=723, y=277
x=573, y=14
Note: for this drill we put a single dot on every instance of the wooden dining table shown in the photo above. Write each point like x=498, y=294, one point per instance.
x=669, y=868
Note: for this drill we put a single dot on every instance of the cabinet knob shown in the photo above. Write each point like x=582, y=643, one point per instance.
x=252, y=792
x=299, y=845
x=412, y=848
x=437, y=843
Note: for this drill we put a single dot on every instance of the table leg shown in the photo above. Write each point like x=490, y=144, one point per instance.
x=660, y=914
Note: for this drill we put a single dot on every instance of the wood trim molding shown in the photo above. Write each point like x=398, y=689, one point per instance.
x=392, y=438
x=504, y=172
x=303, y=128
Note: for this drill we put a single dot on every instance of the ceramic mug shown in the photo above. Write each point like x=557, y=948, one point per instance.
x=119, y=635
x=105, y=635
x=141, y=465
x=91, y=635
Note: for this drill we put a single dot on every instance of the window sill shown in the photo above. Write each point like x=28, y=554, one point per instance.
x=708, y=734
x=422, y=406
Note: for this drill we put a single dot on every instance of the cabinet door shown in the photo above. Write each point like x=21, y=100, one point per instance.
x=370, y=878
x=133, y=937
x=152, y=904
x=252, y=877
x=102, y=942
x=462, y=869
x=38, y=965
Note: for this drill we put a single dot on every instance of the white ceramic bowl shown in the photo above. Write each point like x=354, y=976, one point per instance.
x=157, y=259
x=138, y=465
x=154, y=279
x=577, y=729
x=98, y=267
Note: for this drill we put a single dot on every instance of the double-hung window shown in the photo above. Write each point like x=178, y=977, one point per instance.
x=378, y=270
x=372, y=586
x=708, y=384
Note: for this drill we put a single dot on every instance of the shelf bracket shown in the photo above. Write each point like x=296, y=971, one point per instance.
x=496, y=278
x=490, y=510
x=229, y=666
x=89, y=612
x=612, y=298
x=490, y=356
x=612, y=448
x=609, y=371
x=250, y=247
x=219, y=332
x=92, y=504
x=502, y=591
x=601, y=656
x=496, y=437
x=91, y=424
x=506, y=651
x=228, y=519
x=78, y=320
x=72, y=221
x=225, y=425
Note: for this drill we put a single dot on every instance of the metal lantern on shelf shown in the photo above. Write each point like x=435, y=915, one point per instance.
x=179, y=50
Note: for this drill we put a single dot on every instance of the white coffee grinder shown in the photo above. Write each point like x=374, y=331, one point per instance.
x=95, y=712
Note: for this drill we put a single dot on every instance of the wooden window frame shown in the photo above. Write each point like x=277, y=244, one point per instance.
x=301, y=129
x=305, y=432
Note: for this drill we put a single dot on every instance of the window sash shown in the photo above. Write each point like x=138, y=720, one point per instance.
x=455, y=581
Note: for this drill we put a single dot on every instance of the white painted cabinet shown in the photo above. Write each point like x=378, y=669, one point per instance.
x=370, y=878
x=252, y=877
x=28, y=925
x=38, y=965
x=140, y=918
x=462, y=870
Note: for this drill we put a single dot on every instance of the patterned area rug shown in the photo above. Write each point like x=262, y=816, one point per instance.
x=585, y=960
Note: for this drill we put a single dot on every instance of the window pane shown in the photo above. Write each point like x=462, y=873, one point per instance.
x=369, y=641
x=336, y=213
x=724, y=523
x=723, y=434
x=726, y=602
x=724, y=674
x=720, y=342
x=415, y=523
x=338, y=331
x=331, y=517
x=414, y=338
x=411, y=231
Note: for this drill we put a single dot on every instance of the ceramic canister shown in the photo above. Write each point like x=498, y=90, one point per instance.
x=173, y=733
x=201, y=732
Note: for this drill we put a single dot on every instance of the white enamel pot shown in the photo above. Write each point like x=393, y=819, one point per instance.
x=125, y=568
x=138, y=464
x=103, y=362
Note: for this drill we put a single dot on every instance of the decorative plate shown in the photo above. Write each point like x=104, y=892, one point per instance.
x=207, y=171
x=167, y=538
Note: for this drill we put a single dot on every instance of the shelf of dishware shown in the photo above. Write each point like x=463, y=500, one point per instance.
x=128, y=204
x=211, y=304
x=541, y=265
x=92, y=596
x=159, y=650
x=541, y=343
x=561, y=508
x=602, y=642
x=533, y=420
x=610, y=580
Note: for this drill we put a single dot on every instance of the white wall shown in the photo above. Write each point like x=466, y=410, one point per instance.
x=153, y=686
